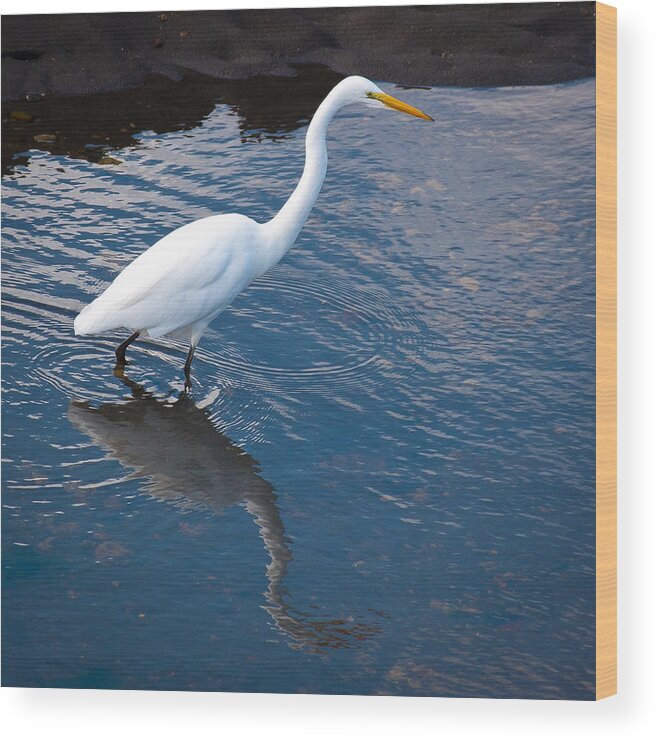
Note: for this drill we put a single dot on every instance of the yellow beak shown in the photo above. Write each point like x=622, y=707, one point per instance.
x=392, y=102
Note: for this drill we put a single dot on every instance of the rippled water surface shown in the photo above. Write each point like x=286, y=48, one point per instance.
x=383, y=480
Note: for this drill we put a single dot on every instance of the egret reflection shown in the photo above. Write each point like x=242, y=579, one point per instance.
x=185, y=461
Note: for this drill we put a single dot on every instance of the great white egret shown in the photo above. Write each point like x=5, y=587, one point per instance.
x=187, y=278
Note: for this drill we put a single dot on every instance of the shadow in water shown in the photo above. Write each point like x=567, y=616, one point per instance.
x=187, y=462
x=88, y=127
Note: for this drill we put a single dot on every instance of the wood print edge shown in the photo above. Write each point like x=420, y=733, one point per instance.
x=606, y=351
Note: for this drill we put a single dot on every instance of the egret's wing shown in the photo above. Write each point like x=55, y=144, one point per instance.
x=180, y=279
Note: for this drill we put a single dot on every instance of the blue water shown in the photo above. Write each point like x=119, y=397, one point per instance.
x=383, y=480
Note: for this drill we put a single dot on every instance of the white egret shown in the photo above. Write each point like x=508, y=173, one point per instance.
x=186, y=279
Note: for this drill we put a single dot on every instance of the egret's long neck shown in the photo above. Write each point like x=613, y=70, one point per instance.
x=286, y=225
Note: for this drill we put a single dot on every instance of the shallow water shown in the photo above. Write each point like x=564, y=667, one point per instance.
x=383, y=480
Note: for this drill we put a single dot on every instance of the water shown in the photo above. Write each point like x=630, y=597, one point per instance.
x=383, y=480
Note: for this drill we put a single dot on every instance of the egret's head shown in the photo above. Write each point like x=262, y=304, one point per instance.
x=362, y=90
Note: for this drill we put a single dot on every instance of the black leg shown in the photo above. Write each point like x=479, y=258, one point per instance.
x=187, y=367
x=120, y=350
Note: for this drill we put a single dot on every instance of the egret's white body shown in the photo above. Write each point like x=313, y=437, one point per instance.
x=185, y=280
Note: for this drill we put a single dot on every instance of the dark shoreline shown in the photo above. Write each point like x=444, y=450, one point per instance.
x=98, y=78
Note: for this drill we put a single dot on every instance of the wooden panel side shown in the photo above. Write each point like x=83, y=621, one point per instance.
x=606, y=383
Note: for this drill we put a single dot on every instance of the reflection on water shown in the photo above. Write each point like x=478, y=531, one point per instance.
x=415, y=380
x=185, y=461
x=290, y=102
x=90, y=128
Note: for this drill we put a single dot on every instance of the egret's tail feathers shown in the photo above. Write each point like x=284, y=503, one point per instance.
x=83, y=324
x=91, y=320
